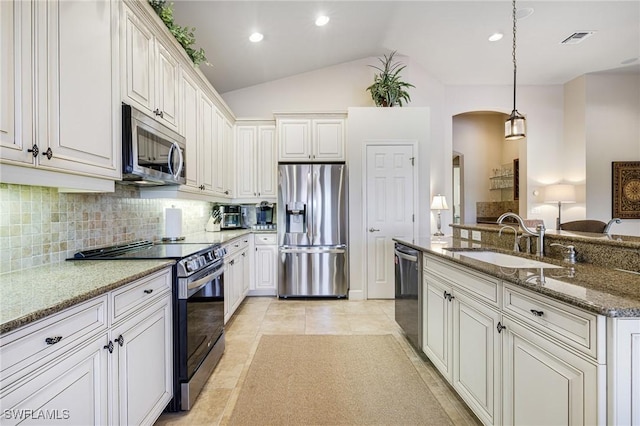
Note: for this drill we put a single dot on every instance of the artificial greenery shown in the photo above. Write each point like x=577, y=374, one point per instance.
x=387, y=89
x=184, y=35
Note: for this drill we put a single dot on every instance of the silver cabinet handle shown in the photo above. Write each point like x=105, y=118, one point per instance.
x=373, y=229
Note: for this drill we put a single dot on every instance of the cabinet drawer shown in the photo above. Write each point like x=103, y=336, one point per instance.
x=265, y=239
x=137, y=294
x=482, y=286
x=22, y=349
x=237, y=245
x=570, y=325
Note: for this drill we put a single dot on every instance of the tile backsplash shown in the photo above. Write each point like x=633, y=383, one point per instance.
x=39, y=225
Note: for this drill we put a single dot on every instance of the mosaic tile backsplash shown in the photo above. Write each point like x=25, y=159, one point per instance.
x=39, y=225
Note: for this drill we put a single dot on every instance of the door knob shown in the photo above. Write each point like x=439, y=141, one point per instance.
x=373, y=230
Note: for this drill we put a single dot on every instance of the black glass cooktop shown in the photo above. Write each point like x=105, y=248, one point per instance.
x=142, y=250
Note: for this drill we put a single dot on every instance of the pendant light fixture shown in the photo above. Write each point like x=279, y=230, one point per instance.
x=514, y=127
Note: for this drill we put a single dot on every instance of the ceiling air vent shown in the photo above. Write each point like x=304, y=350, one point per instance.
x=577, y=37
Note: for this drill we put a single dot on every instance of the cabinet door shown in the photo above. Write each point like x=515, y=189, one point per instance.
x=70, y=389
x=189, y=127
x=206, y=143
x=294, y=140
x=328, y=140
x=265, y=269
x=16, y=68
x=477, y=357
x=143, y=365
x=266, y=162
x=545, y=384
x=218, y=154
x=437, y=342
x=246, y=155
x=166, y=87
x=229, y=155
x=78, y=63
x=138, y=53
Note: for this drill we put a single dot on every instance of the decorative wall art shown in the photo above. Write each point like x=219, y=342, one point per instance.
x=625, y=184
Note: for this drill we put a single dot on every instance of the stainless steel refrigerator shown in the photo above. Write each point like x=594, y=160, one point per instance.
x=312, y=230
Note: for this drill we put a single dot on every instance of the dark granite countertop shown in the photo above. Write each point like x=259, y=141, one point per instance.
x=604, y=291
x=34, y=293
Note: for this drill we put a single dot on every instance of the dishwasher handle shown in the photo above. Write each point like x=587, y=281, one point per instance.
x=405, y=256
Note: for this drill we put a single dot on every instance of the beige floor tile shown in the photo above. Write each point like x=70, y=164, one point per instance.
x=325, y=323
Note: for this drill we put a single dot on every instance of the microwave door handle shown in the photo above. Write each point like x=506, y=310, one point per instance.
x=170, y=157
x=180, y=161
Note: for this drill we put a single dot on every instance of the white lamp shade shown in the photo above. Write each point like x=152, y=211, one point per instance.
x=560, y=193
x=439, y=203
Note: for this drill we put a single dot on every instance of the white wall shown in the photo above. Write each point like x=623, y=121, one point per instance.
x=612, y=128
x=389, y=125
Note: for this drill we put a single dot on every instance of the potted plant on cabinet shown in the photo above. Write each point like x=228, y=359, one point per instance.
x=388, y=89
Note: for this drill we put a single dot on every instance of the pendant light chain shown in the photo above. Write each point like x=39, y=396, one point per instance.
x=514, y=55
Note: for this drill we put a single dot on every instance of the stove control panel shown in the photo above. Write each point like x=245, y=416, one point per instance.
x=200, y=260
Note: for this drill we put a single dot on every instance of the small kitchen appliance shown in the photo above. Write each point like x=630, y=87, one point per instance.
x=230, y=216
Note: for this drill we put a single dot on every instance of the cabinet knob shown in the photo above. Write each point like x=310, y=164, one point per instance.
x=120, y=340
x=158, y=113
x=48, y=153
x=34, y=150
x=537, y=313
x=500, y=327
x=148, y=291
x=52, y=340
x=109, y=347
x=226, y=192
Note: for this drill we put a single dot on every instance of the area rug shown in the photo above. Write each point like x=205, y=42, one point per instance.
x=334, y=380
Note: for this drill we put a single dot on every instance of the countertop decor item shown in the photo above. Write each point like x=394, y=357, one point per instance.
x=184, y=35
x=626, y=189
x=439, y=203
x=388, y=89
x=515, y=126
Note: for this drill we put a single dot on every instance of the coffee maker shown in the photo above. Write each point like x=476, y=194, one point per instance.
x=264, y=214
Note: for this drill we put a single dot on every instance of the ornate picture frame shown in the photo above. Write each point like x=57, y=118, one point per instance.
x=625, y=189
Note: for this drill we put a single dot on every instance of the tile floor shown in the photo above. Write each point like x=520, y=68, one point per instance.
x=265, y=315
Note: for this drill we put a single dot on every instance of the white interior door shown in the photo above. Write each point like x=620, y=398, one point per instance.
x=389, y=212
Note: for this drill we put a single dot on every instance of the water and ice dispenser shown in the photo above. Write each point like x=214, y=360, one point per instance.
x=296, y=217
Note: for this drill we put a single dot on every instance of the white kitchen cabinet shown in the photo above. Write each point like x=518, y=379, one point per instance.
x=206, y=135
x=256, y=161
x=143, y=364
x=623, y=371
x=545, y=383
x=266, y=258
x=438, y=323
x=237, y=274
x=65, y=88
x=189, y=120
x=150, y=77
x=229, y=156
x=312, y=138
x=108, y=360
x=223, y=157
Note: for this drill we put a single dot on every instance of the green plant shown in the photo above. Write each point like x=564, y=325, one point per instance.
x=387, y=89
x=184, y=35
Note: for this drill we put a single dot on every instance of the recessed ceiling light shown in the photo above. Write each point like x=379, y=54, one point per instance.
x=322, y=20
x=524, y=13
x=256, y=37
x=495, y=37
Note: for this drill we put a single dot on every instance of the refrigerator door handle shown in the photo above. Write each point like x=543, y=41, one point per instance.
x=311, y=250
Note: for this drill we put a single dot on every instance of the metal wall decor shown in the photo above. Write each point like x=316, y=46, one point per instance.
x=625, y=189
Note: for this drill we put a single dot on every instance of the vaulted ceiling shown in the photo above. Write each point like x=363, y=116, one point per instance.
x=449, y=39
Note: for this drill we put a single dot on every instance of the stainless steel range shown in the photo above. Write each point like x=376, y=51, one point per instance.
x=198, y=308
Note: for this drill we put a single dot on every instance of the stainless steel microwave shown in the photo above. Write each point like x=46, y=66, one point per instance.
x=152, y=154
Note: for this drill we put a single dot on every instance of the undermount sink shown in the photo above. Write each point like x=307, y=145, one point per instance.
x=504, y=260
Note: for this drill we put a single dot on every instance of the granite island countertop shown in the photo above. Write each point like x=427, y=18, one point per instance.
x=605, y=291
x=34, y=293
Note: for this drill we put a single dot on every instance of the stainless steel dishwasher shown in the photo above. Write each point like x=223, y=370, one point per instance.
x=408, y=268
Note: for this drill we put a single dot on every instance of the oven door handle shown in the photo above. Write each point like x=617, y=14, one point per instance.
x=196, y=285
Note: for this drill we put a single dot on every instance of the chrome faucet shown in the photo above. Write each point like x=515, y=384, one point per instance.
x=516, y=247
x=527, y=232
x=568, y=252
x=611, y=222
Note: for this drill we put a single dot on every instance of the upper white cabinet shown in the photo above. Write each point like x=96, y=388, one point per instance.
x=60, y=108
x=150, y=77
x=256, y=160
x=189, y=119
x=315, y=138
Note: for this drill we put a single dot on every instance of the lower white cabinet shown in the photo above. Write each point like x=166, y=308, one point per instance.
x=118, y=371
x=266, y=258
x=545, y=384
x=237, y=274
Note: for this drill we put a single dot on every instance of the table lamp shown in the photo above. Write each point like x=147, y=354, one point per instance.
x=560, y=193
x=439, y=203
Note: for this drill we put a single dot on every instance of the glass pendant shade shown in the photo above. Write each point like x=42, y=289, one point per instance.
x=515, y=126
